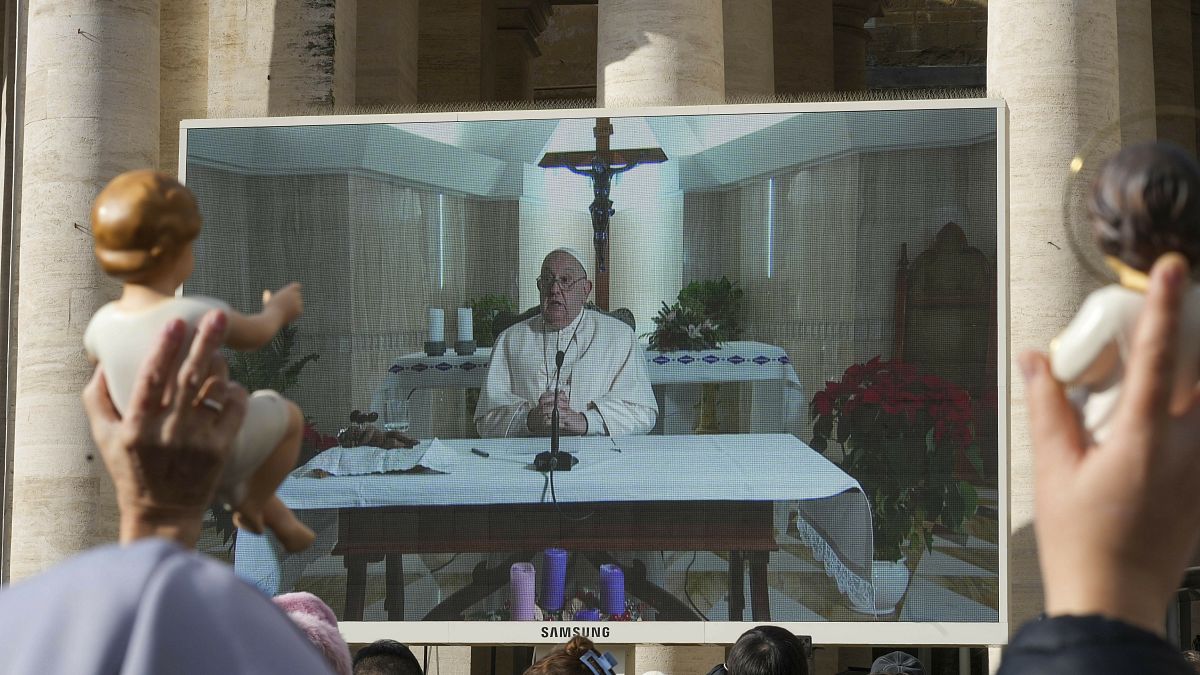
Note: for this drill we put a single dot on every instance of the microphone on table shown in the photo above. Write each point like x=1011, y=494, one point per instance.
x=554, y=460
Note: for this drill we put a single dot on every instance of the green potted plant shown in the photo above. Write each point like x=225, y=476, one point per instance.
x=900, y=433
x=706, y=314
x=484, y=311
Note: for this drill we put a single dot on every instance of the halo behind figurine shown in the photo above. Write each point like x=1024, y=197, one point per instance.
x=1145, y=203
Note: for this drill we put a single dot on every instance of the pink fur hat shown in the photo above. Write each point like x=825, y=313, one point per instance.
x=319, y=624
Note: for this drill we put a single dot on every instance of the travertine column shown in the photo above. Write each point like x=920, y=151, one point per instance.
x=456, y=59
x=272, y=57
x=1196, y=70
x=518, y=23
x=667, y=52
x=184, y=75
x=749, y=54
x=803, y=45
x=850, y=42
x=91, y=112
x=1135, y=55
x=1053, y=62
x=1173, y=85
x=386, y=64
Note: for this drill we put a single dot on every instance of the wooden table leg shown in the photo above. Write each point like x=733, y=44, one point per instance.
x=737, y=577
x=356, y=587
x=393, y=601
x=760, y=598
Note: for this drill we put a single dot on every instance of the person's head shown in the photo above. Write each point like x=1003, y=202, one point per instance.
x=563, y=287
x=767, y=650
x=565, y=659
x=319, y=624
x=1146, y=202
x=1193, y=659
x=143, y=223
x=386, y=657
x=897, y=663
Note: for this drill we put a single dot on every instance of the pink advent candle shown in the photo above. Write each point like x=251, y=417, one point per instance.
x=522, y=586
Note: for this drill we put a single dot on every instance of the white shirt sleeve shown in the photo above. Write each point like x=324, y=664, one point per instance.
x=629, y=407
x=500, y=412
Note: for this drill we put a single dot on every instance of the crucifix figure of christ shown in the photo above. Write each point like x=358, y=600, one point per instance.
x=601, y=165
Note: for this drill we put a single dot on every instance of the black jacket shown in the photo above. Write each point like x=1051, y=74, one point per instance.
x=1089, y=645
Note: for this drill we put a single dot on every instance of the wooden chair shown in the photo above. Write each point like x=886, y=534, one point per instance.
x=946, y=321
x=505, y=319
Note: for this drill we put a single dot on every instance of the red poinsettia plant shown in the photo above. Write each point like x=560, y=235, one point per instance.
x=901, y=431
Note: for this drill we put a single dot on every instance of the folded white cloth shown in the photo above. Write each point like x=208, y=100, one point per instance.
x=365, y=460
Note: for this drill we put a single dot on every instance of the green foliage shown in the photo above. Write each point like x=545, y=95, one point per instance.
x=706, y=314
x=272, y=366
x=719, y=301
x=484, y=311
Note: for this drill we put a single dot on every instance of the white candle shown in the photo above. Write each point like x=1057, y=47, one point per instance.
x=437, y=324
x=465, y=326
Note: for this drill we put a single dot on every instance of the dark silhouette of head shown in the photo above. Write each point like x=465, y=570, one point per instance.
x=767, y=650
x=386, y=657
x=1146, y=202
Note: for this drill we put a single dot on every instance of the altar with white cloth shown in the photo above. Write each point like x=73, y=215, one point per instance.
x=834, y=518
x=777, y=396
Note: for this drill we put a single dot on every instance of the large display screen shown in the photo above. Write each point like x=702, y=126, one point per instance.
x=768, y=337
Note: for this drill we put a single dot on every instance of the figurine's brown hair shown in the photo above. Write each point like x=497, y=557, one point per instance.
x=564, y=660
x=141, y=220
x=1146, y=202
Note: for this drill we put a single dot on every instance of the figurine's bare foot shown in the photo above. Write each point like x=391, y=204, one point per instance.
x=251, y=521
x=293, y=534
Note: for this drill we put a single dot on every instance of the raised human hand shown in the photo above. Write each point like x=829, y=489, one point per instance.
x=288, y=301
x=1117, y=522
x=166, y=454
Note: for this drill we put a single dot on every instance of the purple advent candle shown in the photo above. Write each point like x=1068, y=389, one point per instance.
x=612, y=590
x=587, y=615
x=554, y=578
x=522, y=583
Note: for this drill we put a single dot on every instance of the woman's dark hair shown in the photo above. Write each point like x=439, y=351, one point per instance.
x=1146, y=202
x=386, y=657
x=767, y=650
x=565, y=659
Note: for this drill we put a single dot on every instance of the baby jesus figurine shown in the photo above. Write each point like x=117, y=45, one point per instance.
x=1145, y=203
x=144, y=224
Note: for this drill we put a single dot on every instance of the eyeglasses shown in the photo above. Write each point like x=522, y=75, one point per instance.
x=545, y=283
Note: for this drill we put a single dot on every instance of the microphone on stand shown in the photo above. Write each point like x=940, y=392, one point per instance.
x=554, y=460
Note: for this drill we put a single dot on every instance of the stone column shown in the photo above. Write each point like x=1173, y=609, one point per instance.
x=386, y=64
x=456, y=60
x=91, y=112
x=518, y=23
x=667, y=52
x=850, y=42
x=803, y=45
x=274, y=57
x=184, y=75
x=1053, y=62
x=1173, y=71
x=1135, y=56
x=749, y=50
x=1195, y=60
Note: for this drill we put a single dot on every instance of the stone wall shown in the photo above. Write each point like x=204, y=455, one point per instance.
x=928, y=43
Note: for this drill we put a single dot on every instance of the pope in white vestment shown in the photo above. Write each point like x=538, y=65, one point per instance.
x=603, y=387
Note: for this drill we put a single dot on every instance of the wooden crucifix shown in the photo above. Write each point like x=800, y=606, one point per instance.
x=601, y=165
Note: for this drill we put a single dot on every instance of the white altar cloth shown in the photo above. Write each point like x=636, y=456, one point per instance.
x=836, y=519
x=777, y=405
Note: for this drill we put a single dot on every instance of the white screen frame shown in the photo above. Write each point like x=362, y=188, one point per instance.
x=718, y=632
